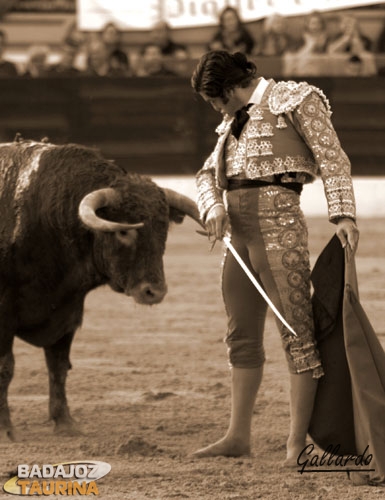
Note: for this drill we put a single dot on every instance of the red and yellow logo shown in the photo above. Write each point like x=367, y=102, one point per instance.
x=67, y=478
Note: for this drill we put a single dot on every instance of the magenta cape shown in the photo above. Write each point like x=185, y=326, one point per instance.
x=349, y=409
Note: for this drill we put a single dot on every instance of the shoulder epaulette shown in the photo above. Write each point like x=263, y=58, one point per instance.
x=287, y=96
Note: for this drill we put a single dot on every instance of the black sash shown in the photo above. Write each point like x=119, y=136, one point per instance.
x=252, y=183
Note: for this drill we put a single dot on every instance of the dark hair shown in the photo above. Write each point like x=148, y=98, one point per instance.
x=119, y=55
x=110, y=24
x=144, y=48
x=318, y=15
x=225, y=11
x=218, y=72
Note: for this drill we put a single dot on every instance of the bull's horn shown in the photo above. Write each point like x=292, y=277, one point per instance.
x=182, y=203
x=98, y=199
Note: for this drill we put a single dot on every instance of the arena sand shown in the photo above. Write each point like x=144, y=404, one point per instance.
x=150, y=385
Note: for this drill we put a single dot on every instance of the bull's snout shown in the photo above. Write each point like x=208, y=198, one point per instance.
x=147, y=293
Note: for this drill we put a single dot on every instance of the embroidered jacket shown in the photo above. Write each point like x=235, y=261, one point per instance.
x=289, y=132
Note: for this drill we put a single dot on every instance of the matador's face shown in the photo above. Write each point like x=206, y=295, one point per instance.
x=226, y=106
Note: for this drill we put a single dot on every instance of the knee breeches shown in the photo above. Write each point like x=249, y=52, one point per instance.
x=268, y=230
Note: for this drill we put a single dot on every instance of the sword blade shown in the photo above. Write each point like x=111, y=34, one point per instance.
x=238, y=258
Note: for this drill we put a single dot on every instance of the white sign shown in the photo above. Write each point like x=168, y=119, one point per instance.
x=142, y=14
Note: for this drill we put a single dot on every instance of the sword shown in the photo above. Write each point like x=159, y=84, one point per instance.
x=238, y=258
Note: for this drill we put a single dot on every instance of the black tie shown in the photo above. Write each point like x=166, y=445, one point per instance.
x=239, y=121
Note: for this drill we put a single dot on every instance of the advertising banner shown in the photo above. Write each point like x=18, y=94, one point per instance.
x=134, y=15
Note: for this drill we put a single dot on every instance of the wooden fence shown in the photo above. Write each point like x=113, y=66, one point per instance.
x=158, y=126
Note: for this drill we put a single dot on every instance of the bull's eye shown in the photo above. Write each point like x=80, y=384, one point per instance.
x=127, y=236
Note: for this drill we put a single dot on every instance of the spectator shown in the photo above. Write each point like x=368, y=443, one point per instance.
x=232, y=35
x=161, y=36
x=97, y=57
x=349, y=39
x=314, y=38
x=119, y=64
x=74, y=36
x=37, y=63
x=381, y=40
x=381, y=49
x=66, y=64
x=309, y=58
x=7, y=68
x=77, y=39
x=152, y=62
x=275, y=40
x=178, y=63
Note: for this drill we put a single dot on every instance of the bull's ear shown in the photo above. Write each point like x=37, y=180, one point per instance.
x=176, y=215
x=127, y=237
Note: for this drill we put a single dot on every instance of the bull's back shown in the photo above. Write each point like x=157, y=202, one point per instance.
x=46, y=181
x=19, y=164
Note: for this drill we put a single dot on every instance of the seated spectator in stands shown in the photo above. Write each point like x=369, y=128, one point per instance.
x=37, y=63
x=160, y=35
x=349, y=39
x=118, y=58
x=314, y=38
x=97, y=57
x=66, y=64
x=77, y=39
x=381, y=49
x=232, y=35
x=381, y=41
x=309, y=58
x=152, y=62
x=118, y=64
x=7, y=68
x=178, y=63
x=275, y=41
x=74, y=36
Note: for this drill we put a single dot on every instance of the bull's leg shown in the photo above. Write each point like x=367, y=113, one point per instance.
x=58, y=363
x=7, y=364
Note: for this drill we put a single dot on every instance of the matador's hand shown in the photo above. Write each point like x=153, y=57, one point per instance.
x=217, y=221
x=348, y=234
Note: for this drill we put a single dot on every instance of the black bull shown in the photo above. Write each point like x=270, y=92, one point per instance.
x=70, y=222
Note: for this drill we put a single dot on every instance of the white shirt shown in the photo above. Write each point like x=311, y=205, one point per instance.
x=256, y=96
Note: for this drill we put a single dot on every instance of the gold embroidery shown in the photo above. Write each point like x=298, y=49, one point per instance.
x=258, y=148
x=285, y=238
x=256, y=112
x=257, y=129
x=281, y=123
x=334, y=165
x=208, y=193
x=225, y=123
x=311, y=113
x=235, y=155
x=287, y=96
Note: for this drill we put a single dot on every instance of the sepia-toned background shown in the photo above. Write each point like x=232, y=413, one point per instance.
x=150, y=385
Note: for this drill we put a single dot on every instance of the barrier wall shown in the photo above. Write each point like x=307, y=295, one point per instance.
x=158, y=126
